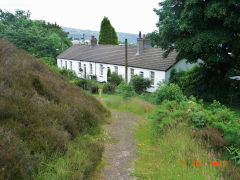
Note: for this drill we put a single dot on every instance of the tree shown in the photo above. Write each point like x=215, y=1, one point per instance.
x=37, y=37
x=208, y=30
x=108, y=34
x=140, y=84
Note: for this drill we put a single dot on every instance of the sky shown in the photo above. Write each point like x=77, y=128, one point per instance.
x=130, y=16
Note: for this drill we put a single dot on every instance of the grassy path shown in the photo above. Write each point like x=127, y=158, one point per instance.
x=119, y=154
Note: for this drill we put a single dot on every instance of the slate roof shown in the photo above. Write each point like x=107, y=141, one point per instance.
x=151, y=58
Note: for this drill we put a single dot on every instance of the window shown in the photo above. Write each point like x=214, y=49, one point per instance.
x=101, y=69
x=91, y=70
x=85, y=71
x=132, y=72
x=79, y=66
x=141, y=74
x=66, y=64
x=116, y=69
x=152, y=76
x=71, y=65
x=61, y=63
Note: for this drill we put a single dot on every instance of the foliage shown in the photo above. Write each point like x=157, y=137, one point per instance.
x=94, y=89
x=116, y=79
x=206, y=30
x=140, y=84
x=37, y=37
x=126, y=90
x=83, y=156
x=198, y=82
x=188, y=27
x=49, y=61
x=108, y=88
x=107, y=34
x=40, y=112
x=169, y=92
x=235, y=153
x=109, y=74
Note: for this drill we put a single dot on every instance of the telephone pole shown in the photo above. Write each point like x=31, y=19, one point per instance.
x=126, y=61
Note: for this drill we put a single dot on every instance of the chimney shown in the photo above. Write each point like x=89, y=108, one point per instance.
x=146, y=42
x=139, y=44
x=142, y=43
x=93, y=41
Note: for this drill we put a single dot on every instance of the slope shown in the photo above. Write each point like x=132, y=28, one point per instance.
x=40, y=112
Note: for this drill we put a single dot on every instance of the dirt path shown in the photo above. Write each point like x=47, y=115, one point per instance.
x=119, y=155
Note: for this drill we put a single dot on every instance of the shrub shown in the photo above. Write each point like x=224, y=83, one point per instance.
x=125, y=89
x=50, y=61
x=68, y=73
x=94, y=89
x=108, y=88
x=140, y=84
x=169, y=92
x=115, y=79
x=208, y=84
x=83, y=83
x=109, y=74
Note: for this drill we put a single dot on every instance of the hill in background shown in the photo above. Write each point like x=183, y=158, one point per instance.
x=78, y=33
x=40, y=112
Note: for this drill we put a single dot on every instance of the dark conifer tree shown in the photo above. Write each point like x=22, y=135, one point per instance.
x=108, y=34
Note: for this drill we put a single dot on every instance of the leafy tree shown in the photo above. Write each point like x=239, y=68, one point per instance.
x=140, y=84
x=115, y=79
x=108, y=34
x=209, y=30
x=37, y=37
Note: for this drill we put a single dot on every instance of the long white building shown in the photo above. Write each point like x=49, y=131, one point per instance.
x=95, y=60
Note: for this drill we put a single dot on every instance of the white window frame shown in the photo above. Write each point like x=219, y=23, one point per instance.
x=141, y=73
x=132, y=72
x=101, y=69
x=66, y=64
x=152, y=77
x=70, y=65
x=116, y=69
x=91, y=68
x=61, y=63
x=79, y=66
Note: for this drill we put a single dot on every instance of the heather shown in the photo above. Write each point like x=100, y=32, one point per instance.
x=40, y=114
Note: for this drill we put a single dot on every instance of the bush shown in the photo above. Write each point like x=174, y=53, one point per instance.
x=125, y=89
x=169, y=92
x=140, y=84
x=83, y=83
x=94, y=89
x=115, y=79
x=108, y=88
x=208, y=84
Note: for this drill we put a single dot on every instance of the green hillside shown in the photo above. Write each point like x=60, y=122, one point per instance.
x=40, y=114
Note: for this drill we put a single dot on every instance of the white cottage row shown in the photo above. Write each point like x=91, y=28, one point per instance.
x=84, y=69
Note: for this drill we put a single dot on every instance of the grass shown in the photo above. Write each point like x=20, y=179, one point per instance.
x=158, y=155
x=134, y=105
x=79, y=162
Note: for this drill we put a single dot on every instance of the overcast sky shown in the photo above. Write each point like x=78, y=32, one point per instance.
x=128, y=16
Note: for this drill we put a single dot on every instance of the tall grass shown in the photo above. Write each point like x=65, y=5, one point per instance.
x=159, y=156
x=79, y=162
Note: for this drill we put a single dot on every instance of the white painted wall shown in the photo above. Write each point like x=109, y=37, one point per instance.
x=181, y=65
x=159, y=75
